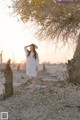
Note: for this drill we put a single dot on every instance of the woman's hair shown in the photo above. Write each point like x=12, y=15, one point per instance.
x=34, y=51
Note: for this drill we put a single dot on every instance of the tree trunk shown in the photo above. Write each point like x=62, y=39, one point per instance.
x=74, y=65
x=8, y=81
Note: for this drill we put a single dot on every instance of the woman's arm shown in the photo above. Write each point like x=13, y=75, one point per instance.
x=27, y=46
x=26, y=50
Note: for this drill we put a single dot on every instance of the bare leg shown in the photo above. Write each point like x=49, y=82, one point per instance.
x=33, y=84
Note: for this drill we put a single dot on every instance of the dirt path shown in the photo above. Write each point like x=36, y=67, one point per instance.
x=57, y=101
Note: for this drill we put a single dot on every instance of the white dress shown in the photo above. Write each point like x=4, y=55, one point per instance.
x=31, y=65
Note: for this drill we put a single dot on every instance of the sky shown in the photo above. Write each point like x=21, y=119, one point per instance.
x=14, y=35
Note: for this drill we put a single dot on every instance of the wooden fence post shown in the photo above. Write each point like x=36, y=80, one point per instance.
x=8, y=80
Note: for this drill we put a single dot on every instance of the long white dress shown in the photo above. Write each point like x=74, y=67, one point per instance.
x=31, y=65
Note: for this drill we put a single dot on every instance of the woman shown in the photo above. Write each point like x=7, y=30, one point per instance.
x=32, y=64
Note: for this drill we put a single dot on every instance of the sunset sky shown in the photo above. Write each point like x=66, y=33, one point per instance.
x=14, y=35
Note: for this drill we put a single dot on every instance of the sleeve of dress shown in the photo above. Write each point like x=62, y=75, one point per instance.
x=37, y=61
x=26, y=50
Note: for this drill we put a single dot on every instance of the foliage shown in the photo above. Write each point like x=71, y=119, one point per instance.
x=55, y=19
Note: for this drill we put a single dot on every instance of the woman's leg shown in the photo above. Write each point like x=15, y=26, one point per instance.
x=33, y=84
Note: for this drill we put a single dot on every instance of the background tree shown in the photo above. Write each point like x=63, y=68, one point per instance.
x=55, y=20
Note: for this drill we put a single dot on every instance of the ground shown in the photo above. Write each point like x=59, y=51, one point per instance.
x=57, y=101
x=52, y=100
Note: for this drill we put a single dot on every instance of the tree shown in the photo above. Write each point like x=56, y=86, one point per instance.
x=55, y=19
x=8, y=80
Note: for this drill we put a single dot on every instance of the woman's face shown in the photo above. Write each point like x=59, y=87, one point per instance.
x=31, y=47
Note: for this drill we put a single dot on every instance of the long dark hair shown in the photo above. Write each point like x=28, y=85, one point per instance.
x=34, y=51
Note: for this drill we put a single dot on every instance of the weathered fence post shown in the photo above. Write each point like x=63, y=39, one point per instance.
x=8, y=80
x=44, y=67
x=18, y=67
